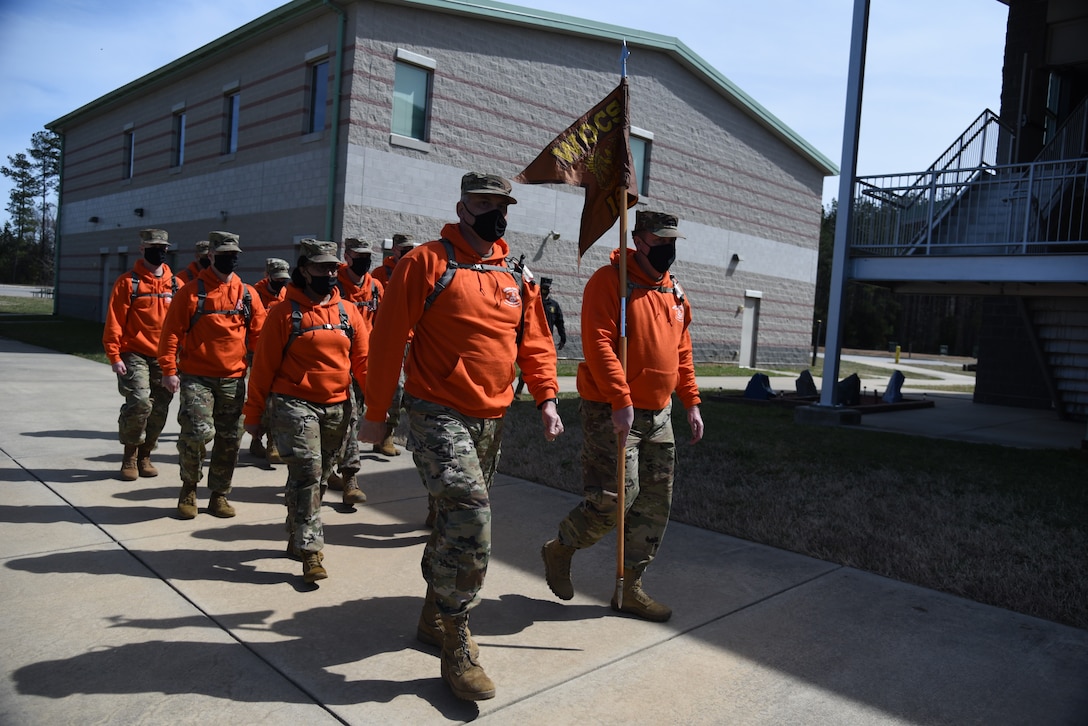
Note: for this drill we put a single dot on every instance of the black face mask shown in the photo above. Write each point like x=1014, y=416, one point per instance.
x=322, y=284
x=276, y=285
x=155, y=256
x=360, y=265
x=226, y=263
x=205, y=262
x=662, y=257
x=490, y=225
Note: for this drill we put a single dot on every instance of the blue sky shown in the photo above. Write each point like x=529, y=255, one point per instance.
x=933, y=65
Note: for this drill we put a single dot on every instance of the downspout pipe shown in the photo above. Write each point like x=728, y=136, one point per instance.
x=57, y=236
x=334, y=133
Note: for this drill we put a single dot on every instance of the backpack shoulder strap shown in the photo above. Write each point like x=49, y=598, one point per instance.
x=447, y=276
x=201, y=297
x=297, y=329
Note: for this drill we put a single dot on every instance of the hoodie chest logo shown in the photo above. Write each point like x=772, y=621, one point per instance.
x=512, y=296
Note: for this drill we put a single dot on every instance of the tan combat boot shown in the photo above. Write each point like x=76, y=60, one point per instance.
x=557, y=558
x=272, y=451
x=218, y=506
x=143, y=460
x=637, y=602
x=312, y=569
x=460, y=669
x=352, y=493
x=187, y=501
x=386, y=446
x=335, y=482
x=429, y=629
x=129, y=470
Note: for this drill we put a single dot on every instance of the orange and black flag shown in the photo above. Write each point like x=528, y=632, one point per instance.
x=594, y=153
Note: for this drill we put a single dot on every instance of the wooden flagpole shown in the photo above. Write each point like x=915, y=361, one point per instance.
x=621, y=446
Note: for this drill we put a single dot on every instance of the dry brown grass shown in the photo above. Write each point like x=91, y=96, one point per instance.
x=998, y=525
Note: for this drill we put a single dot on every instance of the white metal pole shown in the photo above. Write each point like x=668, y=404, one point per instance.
x=844, y=216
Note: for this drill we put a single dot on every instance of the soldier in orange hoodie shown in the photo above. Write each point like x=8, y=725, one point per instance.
x=211, y=326
x=138, y=305
x=202, y=260
x=277, y=273
x=402, y=245
x=312, y=346
x=357, y=286
x=634, y=408
x=472, y=318
x=271, y=289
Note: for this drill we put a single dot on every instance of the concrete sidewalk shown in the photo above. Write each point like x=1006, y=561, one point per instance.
x=116, y=611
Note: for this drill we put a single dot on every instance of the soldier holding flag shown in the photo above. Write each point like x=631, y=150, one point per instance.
x=631, y=409
x=628, y=450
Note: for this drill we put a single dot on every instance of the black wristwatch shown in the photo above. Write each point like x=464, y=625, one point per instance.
x=553, y=399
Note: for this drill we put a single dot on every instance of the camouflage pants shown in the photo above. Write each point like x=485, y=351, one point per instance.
x=456, y=456
x=143, y=414
x=211, y=411
x=310, y=437
x=348, y=459
x=650, y=456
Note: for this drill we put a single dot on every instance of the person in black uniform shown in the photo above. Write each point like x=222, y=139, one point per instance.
x=554, y=313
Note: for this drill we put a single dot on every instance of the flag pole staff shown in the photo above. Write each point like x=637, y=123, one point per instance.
x=621, y=444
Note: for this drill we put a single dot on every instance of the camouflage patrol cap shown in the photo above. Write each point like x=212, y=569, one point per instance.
x=476, y=182
x=154, y=237
x=223, y=242
x=357, y=245
x=404, y=240
x=545, y=282
x=203, y=247
x=318, y=250
x=277, y=269
x=658, y=223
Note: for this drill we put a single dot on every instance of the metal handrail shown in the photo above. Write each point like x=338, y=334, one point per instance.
x=1005, y=209
x=1071, y=139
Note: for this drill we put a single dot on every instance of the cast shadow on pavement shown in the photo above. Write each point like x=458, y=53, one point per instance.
x=312, y=647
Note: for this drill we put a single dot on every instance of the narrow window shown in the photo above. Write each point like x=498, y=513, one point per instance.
x=319, y=96
x=230, y=136
x=641, y=142
x=179, y=140
x=411, y=100
x=129, y=161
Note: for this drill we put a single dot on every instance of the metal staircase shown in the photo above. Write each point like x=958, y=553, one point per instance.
x=1060, y=325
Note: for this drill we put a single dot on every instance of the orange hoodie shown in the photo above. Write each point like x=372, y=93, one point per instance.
x=658, y=345
x=384, y=273
x=216, y=345
x=318, y=365
x=365, y=296
x=190, y=273
x=134, y=325
x=268, y=298
x=464, y=347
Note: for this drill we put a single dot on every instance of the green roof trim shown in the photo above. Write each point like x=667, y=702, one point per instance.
x=501, y=12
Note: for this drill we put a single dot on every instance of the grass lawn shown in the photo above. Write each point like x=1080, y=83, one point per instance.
x=998, y=525
x=30, y=320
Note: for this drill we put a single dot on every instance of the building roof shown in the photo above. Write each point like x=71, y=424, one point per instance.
x=499, y=12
